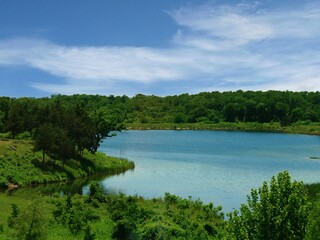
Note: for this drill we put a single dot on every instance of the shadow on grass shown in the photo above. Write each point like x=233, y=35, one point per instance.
x=53, y=167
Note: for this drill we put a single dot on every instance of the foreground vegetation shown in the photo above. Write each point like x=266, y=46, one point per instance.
x=22, y=166
x=280, y=209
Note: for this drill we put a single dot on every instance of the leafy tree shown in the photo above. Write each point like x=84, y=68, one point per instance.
x=45, y=137
x=277, y=211
x=1, y=121
x=63, y=147
x=75, y=213
x=105, y=122
x=96, y=192
x=15, y=121
x=179, y=118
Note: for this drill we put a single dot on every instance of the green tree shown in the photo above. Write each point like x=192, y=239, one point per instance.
x=1, y=121
x=105, y=122
x=96, y=192
x=15, y=121
x=278, y=212
x=64, y=146
x=45, y=137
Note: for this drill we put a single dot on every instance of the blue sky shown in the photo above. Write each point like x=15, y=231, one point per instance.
x=162, y=47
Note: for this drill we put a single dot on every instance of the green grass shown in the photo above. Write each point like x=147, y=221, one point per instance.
x=19, y=164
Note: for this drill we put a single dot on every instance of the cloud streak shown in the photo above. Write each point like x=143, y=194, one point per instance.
x=215, y=48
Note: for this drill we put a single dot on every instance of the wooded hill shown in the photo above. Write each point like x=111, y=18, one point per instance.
x=18, y=115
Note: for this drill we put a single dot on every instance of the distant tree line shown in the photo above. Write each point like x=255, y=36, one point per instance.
x=26, y=114
x=264, y=107
x=64, y=126
x=84, y=120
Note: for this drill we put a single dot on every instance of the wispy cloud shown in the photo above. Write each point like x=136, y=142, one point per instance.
x=215, y=48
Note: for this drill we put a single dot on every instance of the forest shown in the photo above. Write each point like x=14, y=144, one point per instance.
x=19, y=115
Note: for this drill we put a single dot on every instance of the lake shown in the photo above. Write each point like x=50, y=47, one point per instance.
x=215, y=166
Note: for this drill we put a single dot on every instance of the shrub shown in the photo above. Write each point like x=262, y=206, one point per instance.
x=31, y=223
x=89, y=234
x=279, y=211
x=96, y=192
x=124, y=229
x=13, y=216
x=313, y=228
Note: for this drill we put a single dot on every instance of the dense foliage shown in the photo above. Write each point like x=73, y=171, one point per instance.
x=132, y=217
x=278, y=210
x=25, y=114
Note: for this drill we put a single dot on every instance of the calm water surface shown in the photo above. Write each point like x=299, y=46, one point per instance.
x=215, y=166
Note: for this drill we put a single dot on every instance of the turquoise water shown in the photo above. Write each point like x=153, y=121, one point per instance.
x=215, y=166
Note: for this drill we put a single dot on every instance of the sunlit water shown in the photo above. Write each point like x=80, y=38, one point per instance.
x=215, y=166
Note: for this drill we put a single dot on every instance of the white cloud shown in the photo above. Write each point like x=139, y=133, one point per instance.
x=227, y=47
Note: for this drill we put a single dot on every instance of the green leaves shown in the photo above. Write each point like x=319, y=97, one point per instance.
x=276, y=211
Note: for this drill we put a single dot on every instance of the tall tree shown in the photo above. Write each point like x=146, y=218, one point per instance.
x=45, y=138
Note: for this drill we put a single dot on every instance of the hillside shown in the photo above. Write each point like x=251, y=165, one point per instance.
x=22, y=166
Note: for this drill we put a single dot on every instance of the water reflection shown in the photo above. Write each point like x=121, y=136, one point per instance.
x=79, y=186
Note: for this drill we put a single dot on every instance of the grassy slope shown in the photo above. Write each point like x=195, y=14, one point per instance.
x=20, y=165
x=303, y=128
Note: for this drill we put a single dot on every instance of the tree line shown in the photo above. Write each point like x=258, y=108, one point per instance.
x=25, y=114
x=71, y=124
x=64, y=126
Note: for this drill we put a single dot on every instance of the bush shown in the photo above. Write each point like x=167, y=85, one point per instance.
x=74, y=213
x=124, y=229
x=13, y=216
x=89, y=234
x=160, y=231
x=279, y=211
x=313, y=228
x=31, y=223
x=96, y=193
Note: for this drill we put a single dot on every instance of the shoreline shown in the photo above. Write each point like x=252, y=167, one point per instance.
x=311, y=129
x=22, y=167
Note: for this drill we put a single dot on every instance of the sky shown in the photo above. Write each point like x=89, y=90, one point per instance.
x=167, y=47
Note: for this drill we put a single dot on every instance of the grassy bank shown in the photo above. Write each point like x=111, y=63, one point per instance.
x=300, y=128
x=20, y=165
